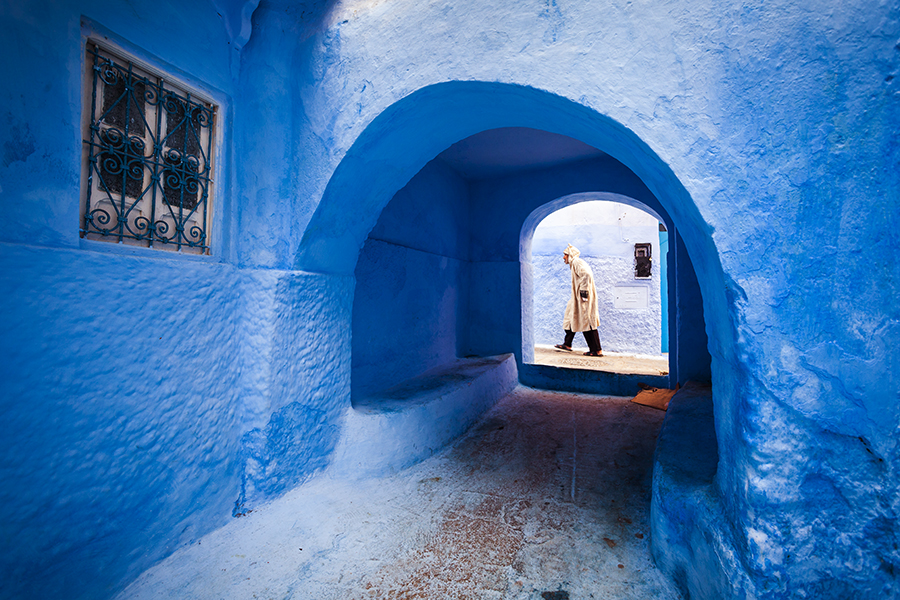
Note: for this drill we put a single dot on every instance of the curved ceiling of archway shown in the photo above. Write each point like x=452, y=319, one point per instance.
x=412, y=131
x=417, y=128
x=508, y=150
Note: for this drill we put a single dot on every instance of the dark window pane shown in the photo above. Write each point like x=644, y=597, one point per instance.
x=180, y=181
x=642, y=266
x=121, y=162
x=182, y=126
x=129, y=147
x=117, y=101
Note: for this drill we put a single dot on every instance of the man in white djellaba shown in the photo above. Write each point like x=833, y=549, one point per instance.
x=582, y=312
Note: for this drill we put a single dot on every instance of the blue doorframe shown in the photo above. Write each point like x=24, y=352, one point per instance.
x=664, y=289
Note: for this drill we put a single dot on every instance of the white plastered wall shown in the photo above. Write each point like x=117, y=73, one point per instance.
x=605, y=233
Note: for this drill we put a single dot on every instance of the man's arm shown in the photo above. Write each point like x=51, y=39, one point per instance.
x=582, y=281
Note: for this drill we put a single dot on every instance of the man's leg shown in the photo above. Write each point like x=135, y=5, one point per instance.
x=596, y=335
x=592, y=337
x=567, y=344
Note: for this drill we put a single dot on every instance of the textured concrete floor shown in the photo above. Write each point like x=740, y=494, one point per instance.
x=547, y=497
x=610, y=362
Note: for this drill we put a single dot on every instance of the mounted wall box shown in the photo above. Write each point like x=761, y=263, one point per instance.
x=642, y=261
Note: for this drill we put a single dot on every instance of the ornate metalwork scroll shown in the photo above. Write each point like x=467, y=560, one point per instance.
x=149, y=154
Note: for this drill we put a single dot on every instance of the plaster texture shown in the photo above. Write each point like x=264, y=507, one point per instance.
x=605, y=234
x=764, y=137
x=136, y=448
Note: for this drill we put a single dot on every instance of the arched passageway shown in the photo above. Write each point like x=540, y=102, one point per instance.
x=393, y=152
x=437, y=279
x=689, y=359
x=630, y=291
x=447, y=282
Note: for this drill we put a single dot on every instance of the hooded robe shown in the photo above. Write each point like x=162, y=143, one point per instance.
x=582, y=311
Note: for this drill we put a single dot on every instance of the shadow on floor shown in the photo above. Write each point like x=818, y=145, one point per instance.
x=547, y=496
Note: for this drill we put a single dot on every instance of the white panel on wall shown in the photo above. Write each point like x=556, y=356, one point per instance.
x=632, y=297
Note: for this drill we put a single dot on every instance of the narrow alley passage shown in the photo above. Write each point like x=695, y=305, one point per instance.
x=546, y=497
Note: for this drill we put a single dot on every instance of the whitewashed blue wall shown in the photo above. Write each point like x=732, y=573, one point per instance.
x=760, y=130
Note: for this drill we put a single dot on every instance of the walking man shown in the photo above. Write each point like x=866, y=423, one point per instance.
x=582, y=312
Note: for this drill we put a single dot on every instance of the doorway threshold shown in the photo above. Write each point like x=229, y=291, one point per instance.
x=612, y=374
x=610, y=362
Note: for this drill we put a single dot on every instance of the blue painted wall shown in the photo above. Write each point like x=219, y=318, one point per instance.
x=758, y=131
x=120, y=426
x=412, y=283
x=689, y=325
x=144, y=394
x=120, y=370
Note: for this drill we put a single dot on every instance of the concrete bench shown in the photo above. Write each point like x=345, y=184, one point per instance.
x=409, y=422
x=691, y=538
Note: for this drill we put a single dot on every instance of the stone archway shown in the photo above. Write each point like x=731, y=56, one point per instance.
x=410, y=133
x=689, y=358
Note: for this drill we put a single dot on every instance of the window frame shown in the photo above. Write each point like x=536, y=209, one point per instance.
x=125, y=54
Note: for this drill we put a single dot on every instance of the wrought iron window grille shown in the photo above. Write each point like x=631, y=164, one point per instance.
x=149, y=148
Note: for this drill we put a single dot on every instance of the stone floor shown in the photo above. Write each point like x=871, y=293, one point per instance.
x=611, y=362
x=547, y=497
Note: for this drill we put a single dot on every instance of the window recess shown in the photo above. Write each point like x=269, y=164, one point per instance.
x=149, y=149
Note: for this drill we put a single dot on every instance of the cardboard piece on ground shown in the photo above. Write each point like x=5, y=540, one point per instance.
x=655, y=397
